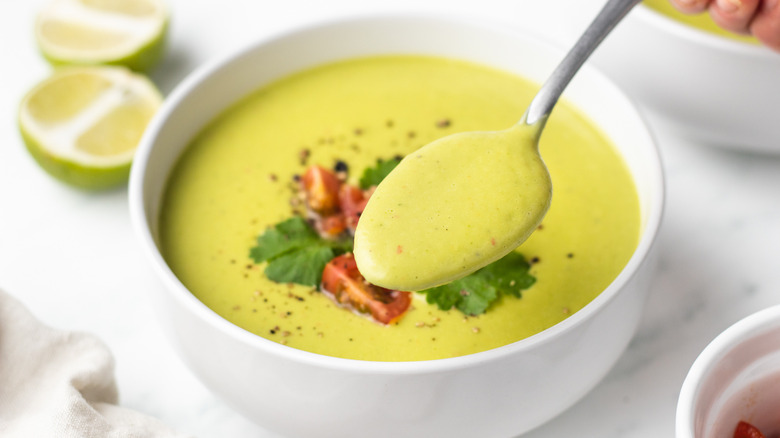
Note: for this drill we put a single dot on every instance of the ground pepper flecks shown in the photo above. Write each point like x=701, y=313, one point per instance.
x=341, y=166
x=303, y=156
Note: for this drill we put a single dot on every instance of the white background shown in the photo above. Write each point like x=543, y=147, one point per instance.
x=73, y=260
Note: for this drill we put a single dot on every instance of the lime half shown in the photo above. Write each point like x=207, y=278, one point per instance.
x=117, y=32
x=83, y=124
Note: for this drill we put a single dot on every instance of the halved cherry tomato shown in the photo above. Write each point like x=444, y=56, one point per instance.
x=352, y=201
x=343, y=281
x=331, y=226
x=747, y=430
x=321, y=188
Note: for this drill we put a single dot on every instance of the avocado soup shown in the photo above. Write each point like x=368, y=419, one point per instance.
x=234, y=181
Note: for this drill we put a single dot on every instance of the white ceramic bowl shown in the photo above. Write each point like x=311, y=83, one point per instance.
x=703, y=86
x=501, y=392
x=735, y=378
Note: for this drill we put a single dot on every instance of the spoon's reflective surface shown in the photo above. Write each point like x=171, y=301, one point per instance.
x=468, y=199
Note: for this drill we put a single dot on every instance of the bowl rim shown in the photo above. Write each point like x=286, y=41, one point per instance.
x=183, y=296
x=709, y=357
x=700, y=36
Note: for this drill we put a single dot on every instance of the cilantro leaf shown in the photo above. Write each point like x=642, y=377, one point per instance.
x=290, y=235
x=372, y=176
x=474, y=293
x=295, y=252
x=471, y=295
x=509, y=274
x=303, y=266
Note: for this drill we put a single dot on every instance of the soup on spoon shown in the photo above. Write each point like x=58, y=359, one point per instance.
x=452, y=207
x=468, y=199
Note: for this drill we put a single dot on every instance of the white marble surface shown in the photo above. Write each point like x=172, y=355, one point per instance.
x=72, y=258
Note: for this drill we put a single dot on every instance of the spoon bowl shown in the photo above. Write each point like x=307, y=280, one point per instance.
x=454, y=170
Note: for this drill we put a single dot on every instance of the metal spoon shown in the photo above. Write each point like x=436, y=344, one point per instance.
x=544, y=101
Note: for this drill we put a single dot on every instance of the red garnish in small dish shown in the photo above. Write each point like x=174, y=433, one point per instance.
x=747, y=430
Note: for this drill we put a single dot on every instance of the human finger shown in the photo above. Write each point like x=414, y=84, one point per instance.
x=734, y=15
x=766, y=24
x=691, y=6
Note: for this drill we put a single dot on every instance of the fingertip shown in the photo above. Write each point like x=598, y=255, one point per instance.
x=766, y=24
x=691, y=6
x=734, y=15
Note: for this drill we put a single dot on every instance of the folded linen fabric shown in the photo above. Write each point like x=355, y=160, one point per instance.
x=60, y=384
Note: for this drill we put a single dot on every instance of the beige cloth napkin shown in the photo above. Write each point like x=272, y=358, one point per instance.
x=60, y=384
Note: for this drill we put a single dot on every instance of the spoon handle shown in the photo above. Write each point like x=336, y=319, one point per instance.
x=542, y=105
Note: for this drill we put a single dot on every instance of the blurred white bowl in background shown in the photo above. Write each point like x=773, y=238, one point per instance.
x=705, y=87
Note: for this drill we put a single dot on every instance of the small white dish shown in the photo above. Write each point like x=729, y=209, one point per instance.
x=735, y=378
x=501, y=392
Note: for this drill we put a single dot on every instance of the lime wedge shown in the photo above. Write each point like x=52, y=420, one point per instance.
x=116, y=32
x=83, y=124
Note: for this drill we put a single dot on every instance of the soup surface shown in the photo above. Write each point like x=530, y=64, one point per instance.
x=700, y=21
x=234, y=181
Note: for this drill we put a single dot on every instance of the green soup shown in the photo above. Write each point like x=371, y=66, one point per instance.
x=699, y=21
x=234, y=181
